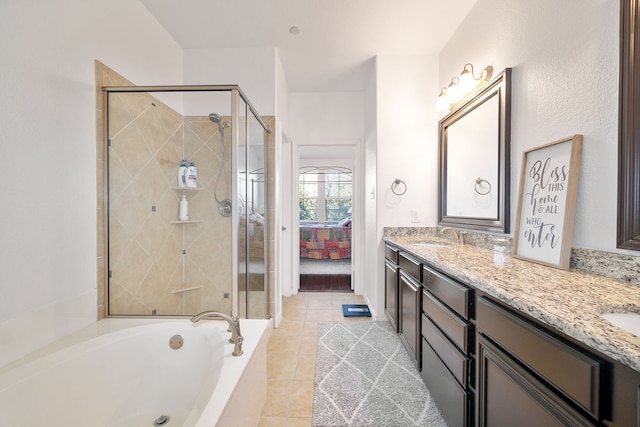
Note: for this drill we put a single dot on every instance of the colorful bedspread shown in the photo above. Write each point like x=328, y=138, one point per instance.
x=325, y=242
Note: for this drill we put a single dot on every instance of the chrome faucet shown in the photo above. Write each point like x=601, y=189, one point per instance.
x=234, y=327
x=457, y=235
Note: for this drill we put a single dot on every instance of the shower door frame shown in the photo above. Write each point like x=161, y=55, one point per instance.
x=236, y=94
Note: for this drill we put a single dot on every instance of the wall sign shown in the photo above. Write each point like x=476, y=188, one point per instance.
x=547, y=202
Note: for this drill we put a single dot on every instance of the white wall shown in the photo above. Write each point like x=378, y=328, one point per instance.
x=254, y=70
x=373, y=291
x=407, y=148
x=564, y=57
x=317, y=118
x=48, y=153
x=322, y=119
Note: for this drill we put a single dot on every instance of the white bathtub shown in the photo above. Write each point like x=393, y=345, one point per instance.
x=122, y=372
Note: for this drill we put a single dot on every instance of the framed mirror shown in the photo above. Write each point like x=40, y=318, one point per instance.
x=629, y=134
x=473, y=190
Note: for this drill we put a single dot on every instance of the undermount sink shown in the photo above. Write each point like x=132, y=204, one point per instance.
x=432, y=245
x=630, y=322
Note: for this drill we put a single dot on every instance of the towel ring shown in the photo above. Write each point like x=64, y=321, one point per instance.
x=394, y=187
x=479, y=181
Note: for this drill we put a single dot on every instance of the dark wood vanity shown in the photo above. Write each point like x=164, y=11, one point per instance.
x=448, y=341
x=487, y=363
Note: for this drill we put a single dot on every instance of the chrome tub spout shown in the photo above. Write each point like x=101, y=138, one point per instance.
x=234, y=327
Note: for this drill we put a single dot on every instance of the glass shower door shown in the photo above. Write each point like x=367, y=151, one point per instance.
x=252, y=203
x=160, y=262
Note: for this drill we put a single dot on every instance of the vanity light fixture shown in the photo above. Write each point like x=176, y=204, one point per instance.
x=454, y=94
x=441, y=103
x=466, y=83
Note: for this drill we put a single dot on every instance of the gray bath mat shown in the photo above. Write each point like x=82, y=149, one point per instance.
x=364, y=377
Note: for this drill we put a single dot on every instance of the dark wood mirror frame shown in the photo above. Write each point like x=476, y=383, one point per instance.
x=629, y=127
x=500, y=86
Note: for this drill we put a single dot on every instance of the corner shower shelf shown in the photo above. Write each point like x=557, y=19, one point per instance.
x=183, y=290
x=187, y=188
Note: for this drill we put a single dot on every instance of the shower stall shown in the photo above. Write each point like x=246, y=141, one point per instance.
x=213, y=257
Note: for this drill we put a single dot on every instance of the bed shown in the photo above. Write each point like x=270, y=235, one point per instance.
x=326, y=241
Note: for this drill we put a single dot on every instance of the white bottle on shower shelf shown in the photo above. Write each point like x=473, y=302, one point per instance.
x=192, y=176
x=182, y=174
x=184, y=209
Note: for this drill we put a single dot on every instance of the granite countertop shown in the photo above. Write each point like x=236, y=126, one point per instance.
x=570, y=301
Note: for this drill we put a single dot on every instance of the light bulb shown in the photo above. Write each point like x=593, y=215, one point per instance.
x=467, y=82
x=442, y=104
x=453, y=93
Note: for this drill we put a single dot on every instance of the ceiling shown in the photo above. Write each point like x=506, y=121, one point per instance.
x=337, y=39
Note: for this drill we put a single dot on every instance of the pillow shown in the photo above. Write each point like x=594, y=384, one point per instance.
x=345, y=222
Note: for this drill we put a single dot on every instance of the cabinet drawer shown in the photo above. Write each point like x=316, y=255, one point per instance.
x=451, y=399
x=511, y=396
x=451, y=356
x=450, y=292
x=451, y=324
x=410, y=266
x=573, y=372
x=391, y=254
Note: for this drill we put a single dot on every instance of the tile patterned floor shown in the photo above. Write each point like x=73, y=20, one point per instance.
x=291, y=355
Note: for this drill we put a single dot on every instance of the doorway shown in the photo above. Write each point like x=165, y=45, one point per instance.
x=325, y=198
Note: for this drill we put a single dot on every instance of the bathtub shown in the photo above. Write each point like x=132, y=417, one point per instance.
x=123, y=372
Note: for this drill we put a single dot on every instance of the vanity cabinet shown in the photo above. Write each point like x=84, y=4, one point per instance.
x=448, y=345
x=409, y=305
x=391, y=273
x=529, y=376
x=488, y=364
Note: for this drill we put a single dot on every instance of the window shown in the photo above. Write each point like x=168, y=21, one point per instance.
x=324, y=194
x=308, y=194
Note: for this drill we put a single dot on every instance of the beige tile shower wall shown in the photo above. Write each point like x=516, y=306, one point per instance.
x=145, y=245
x=208, y=242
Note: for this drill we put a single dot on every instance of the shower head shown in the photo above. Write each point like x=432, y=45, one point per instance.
x=216, y=118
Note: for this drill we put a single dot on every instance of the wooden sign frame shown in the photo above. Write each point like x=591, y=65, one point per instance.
x=547, y=202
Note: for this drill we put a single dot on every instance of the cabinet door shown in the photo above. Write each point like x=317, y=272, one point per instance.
x=391, y=294
x=625, y=398
x=452, y=400
x=509, y=396
x=410, y=315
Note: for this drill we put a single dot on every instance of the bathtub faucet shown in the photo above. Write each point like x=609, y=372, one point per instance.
x=234, y=327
